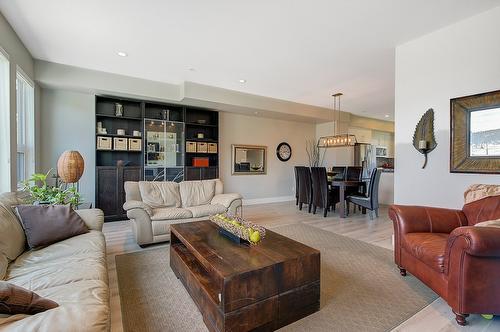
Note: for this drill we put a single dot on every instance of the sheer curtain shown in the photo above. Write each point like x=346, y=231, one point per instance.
x=4, y=124
x=25, y=126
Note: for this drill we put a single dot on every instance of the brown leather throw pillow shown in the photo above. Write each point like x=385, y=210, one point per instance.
x=18, y=300
x=47, y=224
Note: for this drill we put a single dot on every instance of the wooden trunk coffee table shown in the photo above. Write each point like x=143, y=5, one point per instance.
x=244, y=288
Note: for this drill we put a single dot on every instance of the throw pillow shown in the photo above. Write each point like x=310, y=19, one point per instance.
x=489, y=223
x=47, y=224
x=18, y=300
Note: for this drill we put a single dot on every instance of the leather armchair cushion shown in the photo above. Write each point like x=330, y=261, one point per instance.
x=482, y=210
x=171, y=213
x=429, y=248
x=206, y=210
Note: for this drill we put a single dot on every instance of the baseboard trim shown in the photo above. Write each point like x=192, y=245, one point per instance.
x=267, y=200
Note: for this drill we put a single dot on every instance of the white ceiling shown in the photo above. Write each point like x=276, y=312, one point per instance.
x=300, y=51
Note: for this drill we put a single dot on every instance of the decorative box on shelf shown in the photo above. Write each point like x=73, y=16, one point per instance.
x=190, y=146
x=212, y=147
x=200, y=162
x=120, y=144
x=238, y=229
x=104, y=143
x=202, y=147
x=134, y=144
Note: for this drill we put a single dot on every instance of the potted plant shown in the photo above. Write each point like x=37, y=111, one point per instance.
x=40, y=192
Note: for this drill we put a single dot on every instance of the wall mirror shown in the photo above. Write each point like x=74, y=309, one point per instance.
x=475, y=133
x=249, y=159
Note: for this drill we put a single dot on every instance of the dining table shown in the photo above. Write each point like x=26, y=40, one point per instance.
x=342, y=185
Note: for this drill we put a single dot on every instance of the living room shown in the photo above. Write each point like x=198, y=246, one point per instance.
x=261, y=166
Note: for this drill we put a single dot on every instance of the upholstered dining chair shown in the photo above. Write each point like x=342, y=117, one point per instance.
x=353, y=173
x=305, y=187
x=339, y=173
x=296, y=172
x=322, y=196
x=370, y=200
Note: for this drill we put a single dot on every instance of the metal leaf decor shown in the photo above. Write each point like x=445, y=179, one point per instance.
x=424, y=132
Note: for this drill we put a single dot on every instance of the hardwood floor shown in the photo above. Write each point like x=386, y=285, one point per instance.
x=435, y=317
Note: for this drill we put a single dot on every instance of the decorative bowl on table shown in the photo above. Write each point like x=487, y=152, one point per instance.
x=238, y=229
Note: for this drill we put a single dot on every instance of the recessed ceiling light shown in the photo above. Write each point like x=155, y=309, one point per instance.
x=243, y=81
x=123, y=54
x=387, y=115
x=256, y=113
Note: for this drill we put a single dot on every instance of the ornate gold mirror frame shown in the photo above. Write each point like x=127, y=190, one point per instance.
x=479, y=151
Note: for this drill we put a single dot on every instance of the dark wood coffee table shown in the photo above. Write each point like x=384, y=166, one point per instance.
x=239, y=287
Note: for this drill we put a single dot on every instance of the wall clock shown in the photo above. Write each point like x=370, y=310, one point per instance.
x=284, y=151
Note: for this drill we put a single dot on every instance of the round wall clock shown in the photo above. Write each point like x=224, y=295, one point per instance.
x=284, y=151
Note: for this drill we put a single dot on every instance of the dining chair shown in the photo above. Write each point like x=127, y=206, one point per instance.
x=296, y=172
x=339, y=173
x=305, y=187
x=323, y=197
x=370, y=200
x=353, y=173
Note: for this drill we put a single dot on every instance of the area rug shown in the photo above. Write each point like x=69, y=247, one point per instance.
x=361, y=289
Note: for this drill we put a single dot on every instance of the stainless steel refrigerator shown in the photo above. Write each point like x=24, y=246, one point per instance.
x=364, y=155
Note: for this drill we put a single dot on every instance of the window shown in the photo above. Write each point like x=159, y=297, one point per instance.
x=4, y=123
x=485, y=132
x=25, y=116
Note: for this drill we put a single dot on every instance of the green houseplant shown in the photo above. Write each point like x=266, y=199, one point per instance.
x=42, y=193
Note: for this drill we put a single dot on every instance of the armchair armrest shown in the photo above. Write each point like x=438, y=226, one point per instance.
x=422, y=219
x=225, y=199
x=476, y=241
x=93, y=218
x=129, y=205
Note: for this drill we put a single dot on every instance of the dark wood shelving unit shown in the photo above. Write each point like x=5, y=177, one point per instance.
x=114, y=167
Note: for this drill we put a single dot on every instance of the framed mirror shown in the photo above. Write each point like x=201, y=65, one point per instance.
x=475, y=133
x=249, y=159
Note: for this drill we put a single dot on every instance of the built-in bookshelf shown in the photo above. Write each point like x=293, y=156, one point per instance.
x=148, y=140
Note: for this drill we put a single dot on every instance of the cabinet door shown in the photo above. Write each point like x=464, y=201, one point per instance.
x=106, y=190
x=193, y=173
x=126, y=174
x=208, y=173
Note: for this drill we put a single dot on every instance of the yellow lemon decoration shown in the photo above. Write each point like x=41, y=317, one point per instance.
x=255, y=237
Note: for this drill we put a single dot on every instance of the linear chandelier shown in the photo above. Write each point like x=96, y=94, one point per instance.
x=337, y=139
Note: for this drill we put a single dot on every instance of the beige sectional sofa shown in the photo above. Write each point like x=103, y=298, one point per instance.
x=72, y=273
x=154, y=206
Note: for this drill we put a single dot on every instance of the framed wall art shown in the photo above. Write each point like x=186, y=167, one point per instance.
x=475, y=133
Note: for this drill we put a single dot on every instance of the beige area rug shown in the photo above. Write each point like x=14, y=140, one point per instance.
x=361, y=289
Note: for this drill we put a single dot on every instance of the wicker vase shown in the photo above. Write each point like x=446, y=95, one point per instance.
x=70, y=166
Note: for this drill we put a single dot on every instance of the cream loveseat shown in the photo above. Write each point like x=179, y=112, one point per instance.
x=71, y=272
x=154, y=206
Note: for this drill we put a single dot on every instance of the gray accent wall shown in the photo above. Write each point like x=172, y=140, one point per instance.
x=67, y=122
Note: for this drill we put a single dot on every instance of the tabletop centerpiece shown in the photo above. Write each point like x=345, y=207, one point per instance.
x=238, y=229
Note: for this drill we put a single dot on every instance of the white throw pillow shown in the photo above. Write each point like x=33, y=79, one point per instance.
x=489, y=223
x=160, y=194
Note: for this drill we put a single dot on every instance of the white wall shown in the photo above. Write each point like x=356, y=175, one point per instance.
x=459, y=60
x=279, y=182
x=67, y=122
x=18, y=56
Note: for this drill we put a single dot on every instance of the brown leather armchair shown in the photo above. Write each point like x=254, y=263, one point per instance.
x=443, y=249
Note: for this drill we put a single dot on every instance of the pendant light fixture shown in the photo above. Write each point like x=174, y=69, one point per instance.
x=337, y=139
